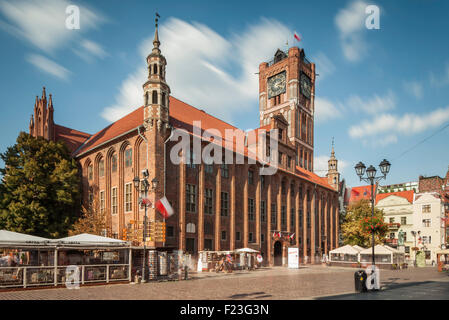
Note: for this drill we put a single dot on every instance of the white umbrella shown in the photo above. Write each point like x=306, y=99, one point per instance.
x=246, y=250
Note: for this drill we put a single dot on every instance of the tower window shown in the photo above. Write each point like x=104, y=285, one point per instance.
x=155, y=69
x=163, y=99
x=154, y=97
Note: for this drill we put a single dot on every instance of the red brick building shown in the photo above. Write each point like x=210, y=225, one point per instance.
x=218, y=206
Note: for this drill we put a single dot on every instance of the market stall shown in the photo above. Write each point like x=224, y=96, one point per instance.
x=247, y=258
x=211, y=260
x=384, y=256
x=345, y=256
x=27, y=260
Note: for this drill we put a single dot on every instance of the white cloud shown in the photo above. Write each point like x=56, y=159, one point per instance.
x=324, y=66
x=321, y=165
x=325, y=110
x=387, y=126
x=414, y=89
x=440, y=81
x=198, y=60
x=42, y=23
x=89, y=50
x=350, y=22
x=372, y=105
x=48, y=66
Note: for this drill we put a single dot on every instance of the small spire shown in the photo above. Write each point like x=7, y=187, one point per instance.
x=50, y=103
x=44, y=95
x=32, y=120
x=156, y=41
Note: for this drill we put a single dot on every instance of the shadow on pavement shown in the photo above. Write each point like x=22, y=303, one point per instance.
x=434, y=290
x=254, y=295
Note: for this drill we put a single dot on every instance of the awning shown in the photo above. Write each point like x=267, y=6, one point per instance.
x=86, y=239
x=10, y=237
x=246, y=250
x=347, y=249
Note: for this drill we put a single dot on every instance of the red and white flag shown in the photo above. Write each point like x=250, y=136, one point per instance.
x=145, y=202
x=164, y=207
x=292, y=235
x=297, y=37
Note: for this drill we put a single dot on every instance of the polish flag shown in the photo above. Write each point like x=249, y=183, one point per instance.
x=292, y=235
x=164, y=207
x=146, y=202
x=296, y=36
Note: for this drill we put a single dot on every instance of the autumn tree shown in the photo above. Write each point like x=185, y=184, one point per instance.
x=92, y=221
x=352, y=227
x=40, y=188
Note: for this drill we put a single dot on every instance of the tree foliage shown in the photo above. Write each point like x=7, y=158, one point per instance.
x=352, y=228
x=40, y=189
x=92, y=221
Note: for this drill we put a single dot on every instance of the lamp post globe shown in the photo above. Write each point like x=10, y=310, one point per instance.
x=384, y=167
x=360, y=169
x=371, y=172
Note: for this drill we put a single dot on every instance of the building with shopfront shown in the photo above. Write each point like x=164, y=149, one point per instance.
x=216, y=206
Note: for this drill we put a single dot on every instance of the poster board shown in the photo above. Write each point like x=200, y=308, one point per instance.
x=293, y=258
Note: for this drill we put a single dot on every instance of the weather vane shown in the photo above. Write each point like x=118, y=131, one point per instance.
x=157, y=16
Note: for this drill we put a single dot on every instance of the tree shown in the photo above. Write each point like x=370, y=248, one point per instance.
x=40, y=189
x=92, y=221
x=352, y=230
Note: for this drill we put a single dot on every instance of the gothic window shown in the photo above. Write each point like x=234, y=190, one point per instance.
x=154, y=97
x=114, y=163
x=262, y=211
x=208, y=228
x=224, y=170
x=128, y=197
x=250, y=177
x=101, y=168
x=283, y=216
x=273, y=213
x=128, y=157
x=114, y=200
x=90, y=171
x=208, y=203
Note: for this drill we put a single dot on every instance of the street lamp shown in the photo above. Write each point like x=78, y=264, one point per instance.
x=372, y=179
x=414, y=234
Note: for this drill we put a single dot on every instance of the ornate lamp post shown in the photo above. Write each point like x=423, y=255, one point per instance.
x=372, y=179
x=144, y=200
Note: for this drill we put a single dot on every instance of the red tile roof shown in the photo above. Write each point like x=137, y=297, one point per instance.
x=182, y=116
x=403, y=194
x=359, y=193
x=72, y=138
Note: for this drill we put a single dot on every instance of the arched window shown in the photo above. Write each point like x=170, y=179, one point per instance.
x=155, y=69
x=154, y=97
x=146, y=98
x=163, y=99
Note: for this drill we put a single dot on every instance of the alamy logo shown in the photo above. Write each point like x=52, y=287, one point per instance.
x=373, y=279
x=72, y=277
x=372, y=21
x=72, y=21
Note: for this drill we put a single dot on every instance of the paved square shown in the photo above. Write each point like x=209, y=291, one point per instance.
x=311, y=282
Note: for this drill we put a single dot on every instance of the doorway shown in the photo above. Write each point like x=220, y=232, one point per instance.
x=277, y=253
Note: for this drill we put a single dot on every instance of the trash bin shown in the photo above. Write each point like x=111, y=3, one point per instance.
x=360, y=281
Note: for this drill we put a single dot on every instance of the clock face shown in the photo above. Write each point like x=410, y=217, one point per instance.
x=276, y=85
x=306, y=86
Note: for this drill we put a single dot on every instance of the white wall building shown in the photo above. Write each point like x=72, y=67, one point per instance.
x=398, y=214
x=428, y=211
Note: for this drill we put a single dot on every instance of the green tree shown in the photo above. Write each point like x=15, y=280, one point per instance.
x=40, y=189
x=352, y=231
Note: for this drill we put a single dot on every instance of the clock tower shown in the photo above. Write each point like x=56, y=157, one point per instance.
x=287, y=88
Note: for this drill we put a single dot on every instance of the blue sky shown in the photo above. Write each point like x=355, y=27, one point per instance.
x=379, y=92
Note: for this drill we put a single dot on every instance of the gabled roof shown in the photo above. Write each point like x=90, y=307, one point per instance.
x=182, y=116
x=408, y=194
x=15, y=237
x=72, y=138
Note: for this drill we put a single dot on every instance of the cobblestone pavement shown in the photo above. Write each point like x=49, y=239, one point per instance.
x=268, y=283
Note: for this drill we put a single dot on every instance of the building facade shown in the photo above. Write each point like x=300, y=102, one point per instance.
x=398, y=214
x=428, y=214
x=217, y=206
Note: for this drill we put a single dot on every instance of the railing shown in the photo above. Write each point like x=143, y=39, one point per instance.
x=45, y=276
x=393, y=226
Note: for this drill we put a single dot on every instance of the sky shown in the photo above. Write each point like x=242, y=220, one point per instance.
x=381, y=93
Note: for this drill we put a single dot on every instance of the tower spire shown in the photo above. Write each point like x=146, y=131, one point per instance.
x=156, y=42
x=333, y=152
